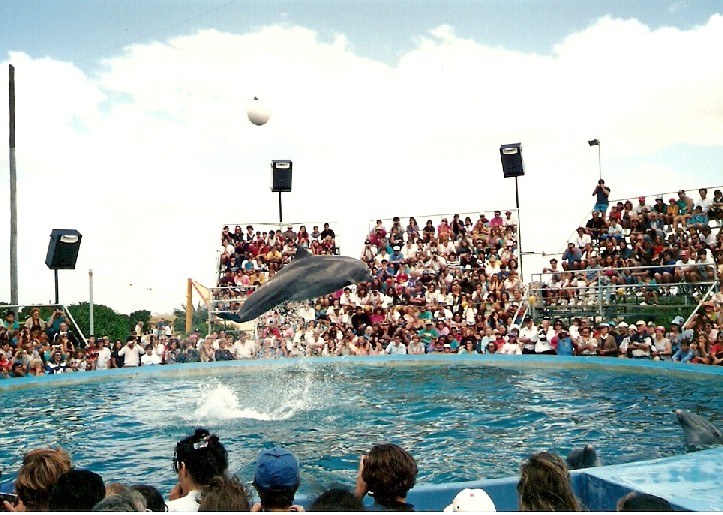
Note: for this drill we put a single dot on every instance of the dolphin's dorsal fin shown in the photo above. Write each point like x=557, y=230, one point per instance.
x=301, y=253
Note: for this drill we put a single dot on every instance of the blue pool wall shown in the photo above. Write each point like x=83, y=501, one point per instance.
x=690, y=482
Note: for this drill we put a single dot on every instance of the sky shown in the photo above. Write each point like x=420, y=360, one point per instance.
x=131, y=123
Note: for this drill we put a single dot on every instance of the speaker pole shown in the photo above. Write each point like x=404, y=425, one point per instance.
x=281, y=218
x=57, y=298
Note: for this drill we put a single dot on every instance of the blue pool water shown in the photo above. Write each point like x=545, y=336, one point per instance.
x=462, y=422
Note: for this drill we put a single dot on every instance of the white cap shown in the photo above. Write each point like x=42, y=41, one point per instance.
x=472, y=500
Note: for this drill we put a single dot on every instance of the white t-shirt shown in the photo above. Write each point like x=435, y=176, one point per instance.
x=152, y=359
x=186, y=503
x=103, y=358
x=132, y=356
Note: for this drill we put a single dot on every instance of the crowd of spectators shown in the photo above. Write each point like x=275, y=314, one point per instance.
x=248, y=258
x=451, y=287
x=643, y=250
x=48, y=481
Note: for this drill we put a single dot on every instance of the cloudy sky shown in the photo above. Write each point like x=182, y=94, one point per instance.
x=131, y=122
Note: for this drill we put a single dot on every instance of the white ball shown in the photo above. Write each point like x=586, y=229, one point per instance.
x=257, y=112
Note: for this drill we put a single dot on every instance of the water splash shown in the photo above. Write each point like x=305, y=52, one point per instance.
x=287, y=394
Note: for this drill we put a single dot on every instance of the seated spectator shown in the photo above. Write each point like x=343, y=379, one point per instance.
x=120, y=497
x=154, y=499
x=40, y=470
x=276, y=480
x=224, y=494
x=76, y=490
x=685, y=354
x=387, y=472
x=635, y=501
x=544, y=484
x=196, y=459
x=337, y=499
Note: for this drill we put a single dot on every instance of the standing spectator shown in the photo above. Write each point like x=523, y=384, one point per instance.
x=150, y=357
x=10, y=323
x=104, y=355
x=602, y=198
x=131, y=353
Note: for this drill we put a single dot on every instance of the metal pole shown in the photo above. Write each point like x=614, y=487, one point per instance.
x=90, y=285
x=57, y=298
x=281, y=218
x=519, y=230
x=13, y=196
x=599, y=162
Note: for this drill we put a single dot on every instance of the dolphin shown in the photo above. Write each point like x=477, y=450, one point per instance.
x=699, y=432
x=582, y=458
x=306, y=277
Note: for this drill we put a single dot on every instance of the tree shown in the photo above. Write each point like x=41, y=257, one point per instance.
x=106, y=321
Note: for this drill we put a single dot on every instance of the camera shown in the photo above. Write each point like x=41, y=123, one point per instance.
x=11, y=498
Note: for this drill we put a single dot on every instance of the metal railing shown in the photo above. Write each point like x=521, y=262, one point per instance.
x=603, y=294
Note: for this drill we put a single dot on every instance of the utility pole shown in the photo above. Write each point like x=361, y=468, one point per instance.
x=13, y=197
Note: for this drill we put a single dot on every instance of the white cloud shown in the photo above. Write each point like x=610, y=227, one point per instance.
x=150, y=156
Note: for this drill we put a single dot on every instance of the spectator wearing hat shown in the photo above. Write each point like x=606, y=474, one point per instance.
x=639, y=346
x=662, y=348
x=563, y=343
x=276, y=480
x=602, y=198
x=606, y=344
x=471, y=500
x=509, y=221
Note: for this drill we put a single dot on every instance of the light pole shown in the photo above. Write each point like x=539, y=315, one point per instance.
x=596, y=143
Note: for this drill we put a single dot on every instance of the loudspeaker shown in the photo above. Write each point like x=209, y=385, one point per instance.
x=512, y=164
x=281, y=175
x=63, y=249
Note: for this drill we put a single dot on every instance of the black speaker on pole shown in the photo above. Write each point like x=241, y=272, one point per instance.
x=63, y=249
x=512, y=164
x=281, y=175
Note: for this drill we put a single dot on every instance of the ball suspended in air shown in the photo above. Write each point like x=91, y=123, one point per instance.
x=257, y=112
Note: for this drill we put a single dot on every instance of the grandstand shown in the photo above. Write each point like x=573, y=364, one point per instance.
x=461, y=271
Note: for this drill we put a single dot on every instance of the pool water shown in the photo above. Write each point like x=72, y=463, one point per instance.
x=461, y=422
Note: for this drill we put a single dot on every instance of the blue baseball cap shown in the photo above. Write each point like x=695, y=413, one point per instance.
x=276, y=469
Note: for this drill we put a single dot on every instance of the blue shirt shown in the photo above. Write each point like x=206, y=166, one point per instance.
x=564, y=346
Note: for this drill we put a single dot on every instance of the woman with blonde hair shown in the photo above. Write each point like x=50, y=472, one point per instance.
x=545, y=484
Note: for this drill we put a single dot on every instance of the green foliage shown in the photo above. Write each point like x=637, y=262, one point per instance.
x=106, y=321
x=199, y=319
x=142, y=315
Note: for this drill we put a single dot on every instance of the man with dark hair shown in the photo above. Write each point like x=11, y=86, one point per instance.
x=387, y=472
x=635, y=501
x=76, y=490
x=276, y=480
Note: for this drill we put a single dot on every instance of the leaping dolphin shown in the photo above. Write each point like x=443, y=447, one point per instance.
x=306, y=277
x=582, y=458
x=699, y=432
